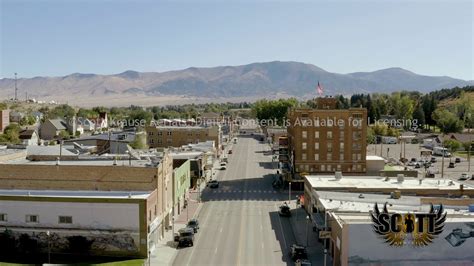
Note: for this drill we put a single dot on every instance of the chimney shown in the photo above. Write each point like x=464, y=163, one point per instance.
x=338, y=175
x=400, y=178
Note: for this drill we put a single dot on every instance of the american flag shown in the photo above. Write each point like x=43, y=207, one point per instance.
x=320, y=89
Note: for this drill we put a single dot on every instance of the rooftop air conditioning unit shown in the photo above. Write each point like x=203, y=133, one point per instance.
x=400, y=178
x=338, y=175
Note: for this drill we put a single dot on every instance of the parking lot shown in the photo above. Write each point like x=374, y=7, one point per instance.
x=413, y=151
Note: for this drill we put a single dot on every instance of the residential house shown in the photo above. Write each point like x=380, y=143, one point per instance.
x=38, y=116
x=51, y=128
x=16, y=116
x=29, y=137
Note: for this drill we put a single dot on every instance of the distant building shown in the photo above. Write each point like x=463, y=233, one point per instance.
x=4, y=120
x=102, y=121
x=16, y=116
x=326, y=140
x=177, y=136
x=115, y=142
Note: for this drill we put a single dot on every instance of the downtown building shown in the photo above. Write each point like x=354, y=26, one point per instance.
x=340, y=206
x=324, y=140
x=120, y=204
x=178, y=136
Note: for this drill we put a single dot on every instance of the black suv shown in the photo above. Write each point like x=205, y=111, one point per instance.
x=213, y=184
x=185, y=237
x=194, y=224
x=298, y=252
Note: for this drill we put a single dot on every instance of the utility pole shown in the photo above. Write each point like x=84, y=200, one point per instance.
x=16, y=89
x=442, y=158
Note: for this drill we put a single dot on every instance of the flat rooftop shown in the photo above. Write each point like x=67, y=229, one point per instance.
x=374, y=157
x=86, y=162
x=76, y=194
x=364, y=218
x=351, y=202
x=327, y=182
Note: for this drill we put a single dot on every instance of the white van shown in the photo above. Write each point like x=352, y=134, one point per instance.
x=440, y=151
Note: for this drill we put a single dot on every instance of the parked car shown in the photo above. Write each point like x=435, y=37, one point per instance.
x=185, y=237
x=230, y=152
x=457, y=160
x=411, y=163
x=213, y=184
x=194, y=224
x=223, y=167
x=284, y=210
x=463, y=177
x=413, y=160
x=433, y=160
x=451, y=165
x=298, y=252
x=302, y=262
x=417, y=165
x=223, y=163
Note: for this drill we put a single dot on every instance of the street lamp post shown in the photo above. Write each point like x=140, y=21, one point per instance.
x=172, y=223
x=49, y=246
x=325, y=256
x=307, y=222
x=289, y=192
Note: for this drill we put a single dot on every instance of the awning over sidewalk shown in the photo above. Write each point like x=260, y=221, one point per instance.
x=318, y=220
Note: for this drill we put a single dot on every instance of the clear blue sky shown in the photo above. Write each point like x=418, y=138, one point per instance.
x=54, y=38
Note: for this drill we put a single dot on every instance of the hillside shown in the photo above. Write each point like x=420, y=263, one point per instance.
x=224, y=83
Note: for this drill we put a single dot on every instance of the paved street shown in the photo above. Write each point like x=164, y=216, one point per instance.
x=239, y=221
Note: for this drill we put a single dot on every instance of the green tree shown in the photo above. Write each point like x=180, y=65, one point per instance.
x=371, y=138
x=447, y=121
x=419, y=115
x=273, y=109
x=452, y=145
x=139, y=142
x=64, y=134
x=401, y=106
x=380, y=129
x=12, y=133
x=61, y=111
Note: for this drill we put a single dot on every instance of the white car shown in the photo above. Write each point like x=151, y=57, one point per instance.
x=463, y=177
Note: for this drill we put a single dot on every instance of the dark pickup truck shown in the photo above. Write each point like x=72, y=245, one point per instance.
x=185, y=237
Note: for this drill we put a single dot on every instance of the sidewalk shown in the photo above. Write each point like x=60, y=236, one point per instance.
x=165, y=250
x=303, y=231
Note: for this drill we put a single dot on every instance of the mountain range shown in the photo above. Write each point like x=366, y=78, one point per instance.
x=251, y=81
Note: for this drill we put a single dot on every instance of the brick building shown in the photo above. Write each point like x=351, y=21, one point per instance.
x=177, y=136
x=114, y=199
x=4, y=120
x=326, y=139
